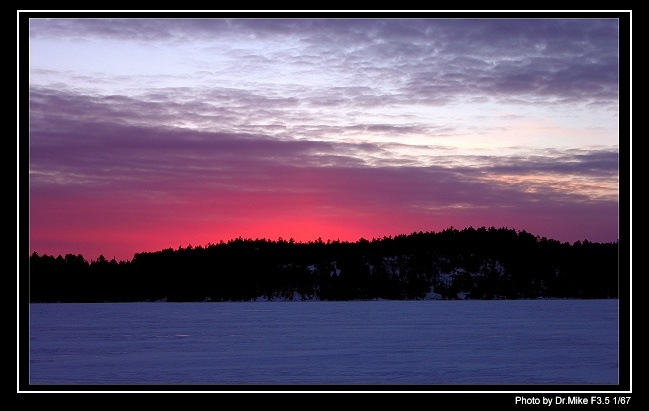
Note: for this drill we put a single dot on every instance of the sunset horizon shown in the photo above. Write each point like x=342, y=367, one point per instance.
x=153, y=133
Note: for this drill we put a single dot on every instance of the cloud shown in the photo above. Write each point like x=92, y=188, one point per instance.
x=100, y=140
x=434, y=61
x=214, y=128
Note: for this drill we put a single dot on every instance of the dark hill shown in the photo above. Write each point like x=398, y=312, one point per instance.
x=483, y=263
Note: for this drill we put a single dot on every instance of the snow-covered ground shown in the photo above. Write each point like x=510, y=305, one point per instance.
x=517, y=342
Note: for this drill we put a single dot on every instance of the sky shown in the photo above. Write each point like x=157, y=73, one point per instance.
x=153, y=133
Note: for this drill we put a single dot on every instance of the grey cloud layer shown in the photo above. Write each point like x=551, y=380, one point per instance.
x=223, y=110
x=426, y=60
x=77, y=141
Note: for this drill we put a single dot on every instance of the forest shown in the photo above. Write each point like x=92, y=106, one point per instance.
x=483, y=263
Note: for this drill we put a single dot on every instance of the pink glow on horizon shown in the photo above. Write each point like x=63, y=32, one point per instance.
x=183, y=225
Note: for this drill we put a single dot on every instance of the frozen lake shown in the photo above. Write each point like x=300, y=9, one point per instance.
x=522, y=342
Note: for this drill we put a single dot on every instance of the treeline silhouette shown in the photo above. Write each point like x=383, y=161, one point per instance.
x=483, y=263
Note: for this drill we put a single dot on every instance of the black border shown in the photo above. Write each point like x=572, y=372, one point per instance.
x=454, y=395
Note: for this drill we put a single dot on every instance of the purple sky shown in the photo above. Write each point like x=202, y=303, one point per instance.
x=147, y=133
